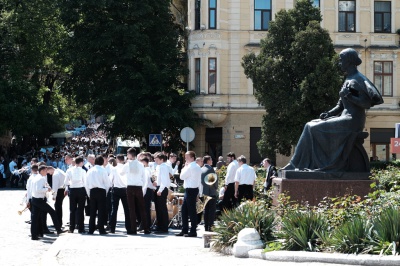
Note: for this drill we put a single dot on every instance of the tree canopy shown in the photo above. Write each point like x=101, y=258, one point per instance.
x=295, y=76
x=125, y=60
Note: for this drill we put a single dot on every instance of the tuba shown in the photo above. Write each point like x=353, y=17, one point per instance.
x=210, y=179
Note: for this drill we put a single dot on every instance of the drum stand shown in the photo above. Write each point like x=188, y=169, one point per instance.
x=176, y=221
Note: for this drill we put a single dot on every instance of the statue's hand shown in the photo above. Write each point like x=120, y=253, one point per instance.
x=324, y=116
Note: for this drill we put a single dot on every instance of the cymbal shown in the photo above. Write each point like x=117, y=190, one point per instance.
x=178, y=194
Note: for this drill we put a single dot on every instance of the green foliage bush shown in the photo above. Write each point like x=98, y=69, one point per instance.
x=247, y=215
x=300, y=230
x=351, y=237
x=386, y=236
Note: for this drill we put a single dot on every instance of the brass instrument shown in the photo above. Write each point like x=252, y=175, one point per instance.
x=210, y=179
x=199, y=206
x=20, y=212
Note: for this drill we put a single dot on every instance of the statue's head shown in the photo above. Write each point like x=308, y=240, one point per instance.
x=349, y=57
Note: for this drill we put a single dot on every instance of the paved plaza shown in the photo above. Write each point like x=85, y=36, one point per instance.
x=16, y=247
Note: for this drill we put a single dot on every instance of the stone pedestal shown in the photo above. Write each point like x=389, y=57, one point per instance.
x=312, y=187
x=248, y=239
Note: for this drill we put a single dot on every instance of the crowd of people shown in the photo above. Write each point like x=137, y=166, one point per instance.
x=95, y=181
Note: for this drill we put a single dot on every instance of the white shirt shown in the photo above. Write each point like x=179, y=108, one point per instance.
x=172, y=170
x=191, y=174
x=108, y=168
x=245, y=175
x=134, y=172
x=38, y=186
x=75, y=177
x=116, y=179
x=231, y=172
x=162, y=173
x=29, y=187
x=58, y=180
x=97, y=177
x=148, y=184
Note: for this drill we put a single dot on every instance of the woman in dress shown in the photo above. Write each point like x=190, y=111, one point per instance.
x=326, y=143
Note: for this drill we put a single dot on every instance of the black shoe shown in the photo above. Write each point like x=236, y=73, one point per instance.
x=82, y=232
x=48, y=232
x=71, y=231
x=35, y=238
x=112, y=231
x=40, y=235
x=191, y=235
x=147, y=232
x=89, y=233
x=103, y=233
x=107, y=228
x=131, y=233
x=59, y=232
x=181, y=234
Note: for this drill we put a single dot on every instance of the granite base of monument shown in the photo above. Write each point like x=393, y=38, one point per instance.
x=312, y=187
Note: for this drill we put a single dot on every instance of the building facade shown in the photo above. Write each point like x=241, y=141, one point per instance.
x=222, y=32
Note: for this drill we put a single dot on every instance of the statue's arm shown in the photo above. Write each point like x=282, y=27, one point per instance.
x=335, y=111
x=358, y=96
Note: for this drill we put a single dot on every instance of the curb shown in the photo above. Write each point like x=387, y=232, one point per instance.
x=302, y=256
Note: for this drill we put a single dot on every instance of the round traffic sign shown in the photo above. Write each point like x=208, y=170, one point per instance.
x=187, y=134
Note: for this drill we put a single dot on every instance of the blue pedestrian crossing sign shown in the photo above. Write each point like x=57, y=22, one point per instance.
x=155, y=140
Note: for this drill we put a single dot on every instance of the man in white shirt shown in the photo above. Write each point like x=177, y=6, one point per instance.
x=119, y=194
x=148, y=188
x=58, y=177
x=90, y=162
x=244, y=180
x=38, y=188
x=160, y=198
x=191, y=174
x=229, y=201
x=135, y=178
x=75, y=187
x=97, y=184
x=171, y=161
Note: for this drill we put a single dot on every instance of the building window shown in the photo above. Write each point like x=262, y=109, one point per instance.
x=197, y=14
x=212, y=75
x=316, y=3
x=262, y=14
x=212, y=14
x=382, y=16
x=383, y=77
x=347, y=16
x=197, y=75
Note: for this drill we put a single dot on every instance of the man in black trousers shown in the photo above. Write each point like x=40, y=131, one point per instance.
x=97, y=184
x=210, y=189
x=38, y=191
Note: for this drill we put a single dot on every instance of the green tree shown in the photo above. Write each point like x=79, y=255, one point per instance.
x=295, y=76
x=126, y=60
x=31, y=38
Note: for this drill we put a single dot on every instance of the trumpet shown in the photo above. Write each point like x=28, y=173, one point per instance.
x=20, y=212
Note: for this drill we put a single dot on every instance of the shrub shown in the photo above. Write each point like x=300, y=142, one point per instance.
x=351, y=237
x=247, y=215
x=386, y=236
x=300, y=230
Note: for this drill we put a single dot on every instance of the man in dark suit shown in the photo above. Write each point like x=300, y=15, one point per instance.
x=270, y=174
x=210, y=190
